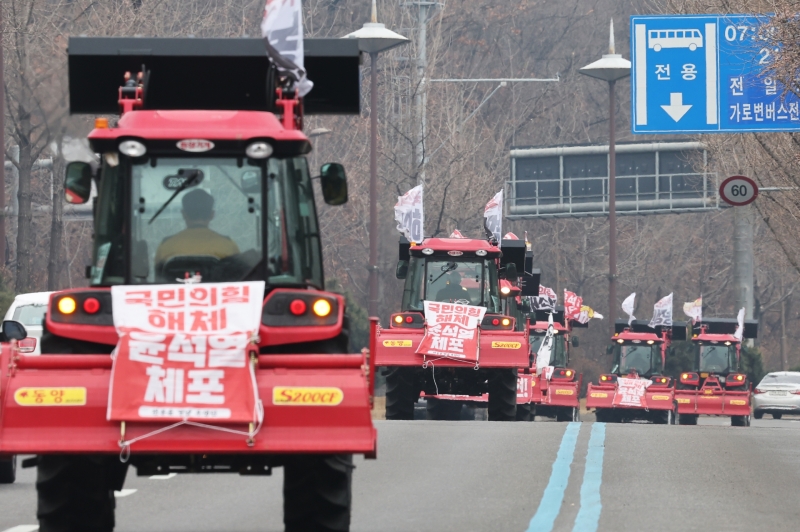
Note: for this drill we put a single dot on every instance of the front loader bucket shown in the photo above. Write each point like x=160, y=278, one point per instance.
x=312, y=404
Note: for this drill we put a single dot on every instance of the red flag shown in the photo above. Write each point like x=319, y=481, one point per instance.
x=572, y=305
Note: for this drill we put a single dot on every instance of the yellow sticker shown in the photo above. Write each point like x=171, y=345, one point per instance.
x=397, y=343
x=661, y=398
x=683, y=401
x=506, y=345
x=708, y=392
x=50, y=396
x=599, y=394
x=738, y=402
x=564, y=392
x=306, y=396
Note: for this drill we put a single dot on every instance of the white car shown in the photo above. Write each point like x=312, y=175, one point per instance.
x=778, y=393
x=30, y=310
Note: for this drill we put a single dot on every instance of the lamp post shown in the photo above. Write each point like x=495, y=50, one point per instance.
x=611, y=67
x=374, y=38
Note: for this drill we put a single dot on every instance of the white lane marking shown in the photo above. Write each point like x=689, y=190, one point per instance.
x=23, y=528
x=164, y=477
x=124, y=493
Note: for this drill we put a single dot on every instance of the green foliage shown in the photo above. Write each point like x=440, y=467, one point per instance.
x=752, y=364
x=680, y=358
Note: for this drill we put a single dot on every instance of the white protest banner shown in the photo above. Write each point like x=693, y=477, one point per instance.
x=631, y=392
x=451, y=331
x=493, y=215
x=282, y=29
x=627, y=307
x=572, y=305
x=546, y=300
x=740, y=325
x=456, y=234
x=545, y=351
x=662, y=312
x=587, y=313
x=694, y=309
x=409, y=214
x=183, y=352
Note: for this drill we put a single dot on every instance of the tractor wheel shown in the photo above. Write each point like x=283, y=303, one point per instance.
x=565, y=414
x=76, y=492
x=467, y=413
x=687, y=419
x=317, y=493
x=401, y=393
x=8, y=470
x=739, y=421
x=525, y=412
x=602, y=415
x=439, y=410
x=777, y=416
x=503, y=395
x=758, y=414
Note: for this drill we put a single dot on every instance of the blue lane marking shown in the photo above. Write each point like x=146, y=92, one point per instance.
x=553, y=496
x=589, y=513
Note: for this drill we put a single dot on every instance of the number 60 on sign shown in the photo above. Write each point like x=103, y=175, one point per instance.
x=738, y=190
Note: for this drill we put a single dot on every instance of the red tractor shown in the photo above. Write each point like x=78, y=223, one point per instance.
x=636, y=388
x=200, y=119
x=715, y=386
x=455, y=271
x=556, y=395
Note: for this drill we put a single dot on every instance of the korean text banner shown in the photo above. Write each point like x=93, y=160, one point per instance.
x=182, y=352
x=451, y=331
x=631, y=392
x=410, y=216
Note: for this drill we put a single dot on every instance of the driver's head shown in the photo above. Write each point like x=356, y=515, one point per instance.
x=198, y=208
x=453, y=278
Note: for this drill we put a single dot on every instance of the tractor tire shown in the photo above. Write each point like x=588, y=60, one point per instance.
x=76, y=492
x=777, y=416
x=8, y=470
x=317, y=493
x=603, y=415
x=740, y=421
x=503, y=395
x=758, y=414
x=525, y=412
x=467, y=413
x=439, y=410
x=687, y=419
x=401, y=393
x=567, y=414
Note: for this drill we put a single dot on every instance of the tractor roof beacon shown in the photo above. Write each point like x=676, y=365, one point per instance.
x=459, y=271
x=716, y=384
x=205, y=118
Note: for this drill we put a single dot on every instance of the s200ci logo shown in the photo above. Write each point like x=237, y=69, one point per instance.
x=306, y=396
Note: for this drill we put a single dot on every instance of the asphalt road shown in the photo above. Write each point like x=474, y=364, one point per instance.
x=480, y=476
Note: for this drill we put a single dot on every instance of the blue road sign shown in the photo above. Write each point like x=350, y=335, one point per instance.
x=705, y=74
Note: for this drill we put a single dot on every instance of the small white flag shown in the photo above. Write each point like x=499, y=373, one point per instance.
x=694, y=309
x=493, y=215
x=662, y=312
x=546, y=349
x=627, y=307
x=740, y=325
x=282, y=29
x=408, y=212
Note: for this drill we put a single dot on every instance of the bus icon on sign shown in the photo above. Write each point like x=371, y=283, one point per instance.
x=658, y=39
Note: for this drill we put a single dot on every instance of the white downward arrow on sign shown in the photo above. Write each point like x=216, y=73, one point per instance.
x=676, y=109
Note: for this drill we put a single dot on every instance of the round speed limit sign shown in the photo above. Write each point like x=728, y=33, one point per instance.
x=738, y=190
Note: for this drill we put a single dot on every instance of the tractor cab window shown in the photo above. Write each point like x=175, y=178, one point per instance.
x=644, y=359
x=716, y=358
x=466, y=282
x=558, y=357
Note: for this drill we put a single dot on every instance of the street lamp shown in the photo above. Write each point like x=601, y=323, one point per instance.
x=374, y=38
x=611, y=67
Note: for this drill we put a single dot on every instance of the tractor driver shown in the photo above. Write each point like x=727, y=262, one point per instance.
x=637, y=358
x=197, y=238
x=453, y=291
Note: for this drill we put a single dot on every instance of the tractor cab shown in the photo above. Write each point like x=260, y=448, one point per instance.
x=562, y=328
x=716, y=350
x=640, y=350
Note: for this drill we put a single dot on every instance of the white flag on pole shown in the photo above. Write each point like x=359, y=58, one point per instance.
x=282, y=29
x=740, y=325
x=694, y=309
x=662, y=312
x=408, y=212
x=493, y=215
x=627, y=307
x=546, y=349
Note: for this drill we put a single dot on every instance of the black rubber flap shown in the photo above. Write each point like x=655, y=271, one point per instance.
x=207, y=74
x=727, y=326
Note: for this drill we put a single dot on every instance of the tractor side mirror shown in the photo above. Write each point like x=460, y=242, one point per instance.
x=334, y=183
x=402, y=269
x=575, y=342
x=511, y=272
x=78, y=182
x=609, y=349
x=12, y=330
